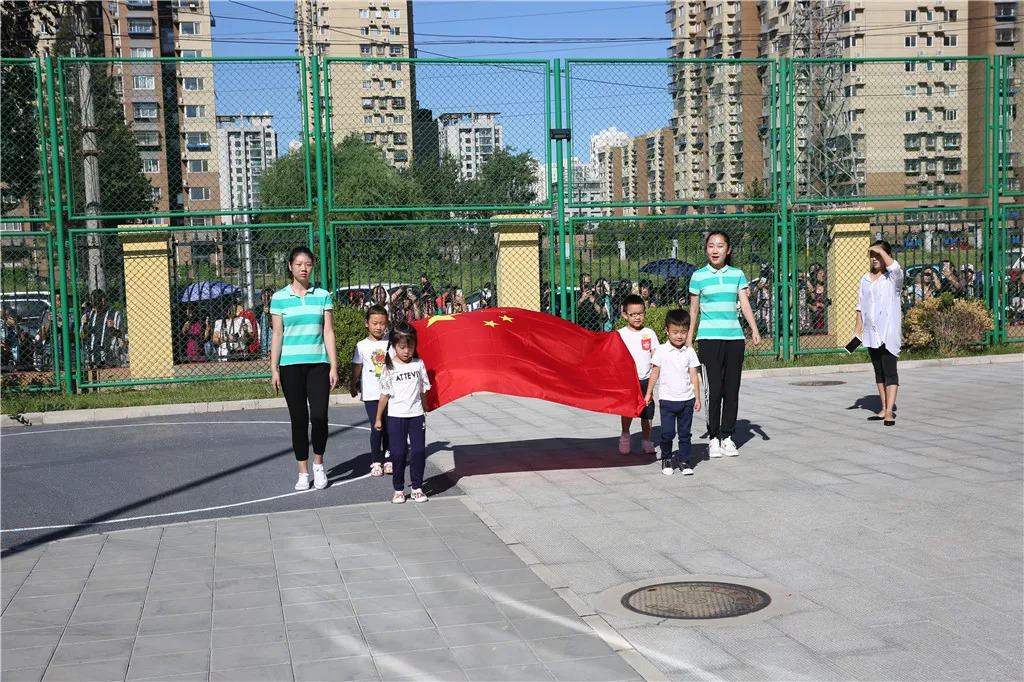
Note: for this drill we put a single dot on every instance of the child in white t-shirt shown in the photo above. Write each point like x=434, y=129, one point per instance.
x=641, y=342
x=675, y=367
x=403, y=384
x=367, y=366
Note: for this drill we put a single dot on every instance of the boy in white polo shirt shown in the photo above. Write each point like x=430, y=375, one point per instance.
x=641, y=342
x=675, y=366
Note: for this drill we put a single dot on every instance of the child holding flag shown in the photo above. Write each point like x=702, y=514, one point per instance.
x=367, y=365
x=641, y=342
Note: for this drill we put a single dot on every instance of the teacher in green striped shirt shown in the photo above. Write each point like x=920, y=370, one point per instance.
x=304, y=362
x=715, y=291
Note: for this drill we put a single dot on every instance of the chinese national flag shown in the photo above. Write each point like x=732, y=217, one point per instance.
x=529, y=354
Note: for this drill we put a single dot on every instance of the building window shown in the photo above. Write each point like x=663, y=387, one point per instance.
x=401, y=155
x=365, y=50
x=949, y=40
x=909, y=41
x=400, y=118
x=364, y=14
x=144, y=82
x=367, y=120
x=952, y=91
x=140, y=27
x=910, y=116
x=197, y=140
x=367, y=85
x=193, y=84
x=396, y=66
x=155, y=194
x=195, y=111
x=364, y=31
x=927, y=40
x=141, y=52
x=912, y=141
x=949, y=66
x=951, y=166
x=910, y=67
x=398, y=102
x=396, y=50
x=400, y=138
x=395, y=31
x=396, y=14
x=849, y=41
x=951, y=141
x=950, y=115
x=912, y=166
x=368, y=138
x=145, y=111
x=147, y=138
x=198, y=165
x=189, y=28
x=927, y=114
x=367, y=103
x=199, y=193
x=399, y=85
x=191, y=54
x=200, y=221
x=151, y=165
x=910, y=91
x=910, y=15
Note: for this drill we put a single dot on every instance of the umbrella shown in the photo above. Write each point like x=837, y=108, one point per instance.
x=204, y=291
x=669, y=267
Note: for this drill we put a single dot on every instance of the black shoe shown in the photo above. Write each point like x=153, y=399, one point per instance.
x=890, y=422
x=875, y=418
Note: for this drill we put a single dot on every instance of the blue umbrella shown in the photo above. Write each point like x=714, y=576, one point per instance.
x=204, y=291
x=669, y=267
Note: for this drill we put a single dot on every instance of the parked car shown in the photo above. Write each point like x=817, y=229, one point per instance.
x=29, y=306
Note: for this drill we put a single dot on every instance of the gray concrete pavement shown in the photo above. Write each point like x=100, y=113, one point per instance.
x=902, y=547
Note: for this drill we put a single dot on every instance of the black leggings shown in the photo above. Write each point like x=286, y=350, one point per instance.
x=884, y=363
x=301, y=384
x=724, y=362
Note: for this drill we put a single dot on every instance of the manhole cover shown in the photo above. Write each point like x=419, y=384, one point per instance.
x=696, y=600
x=817, y=383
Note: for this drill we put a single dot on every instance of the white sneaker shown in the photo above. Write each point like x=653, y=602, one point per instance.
x=647, y=446
x=303, y=482
x=319, y=476
x=714, y=448
x=729, y=448
x=686, y=471
x=666, y=466
x=624, y=444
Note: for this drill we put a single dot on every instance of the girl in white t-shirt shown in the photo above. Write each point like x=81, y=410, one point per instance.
x=403, y=384
x=367, y=366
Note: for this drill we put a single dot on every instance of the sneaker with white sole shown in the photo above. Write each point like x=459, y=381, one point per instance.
x=685, y=470
x=729, y=448
x=303, y=482
x=418, y=495
x=319, y=476
x=398, y=497
x=648, y=447
x=714, y=448
x=624, y=444
x=666, y=466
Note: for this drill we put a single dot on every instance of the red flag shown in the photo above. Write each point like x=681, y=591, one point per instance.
x=529, y=354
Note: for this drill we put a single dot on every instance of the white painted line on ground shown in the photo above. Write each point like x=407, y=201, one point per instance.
x=128, y=426
x=179, y=513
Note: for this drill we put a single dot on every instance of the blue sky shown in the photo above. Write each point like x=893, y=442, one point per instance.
x=604, y=96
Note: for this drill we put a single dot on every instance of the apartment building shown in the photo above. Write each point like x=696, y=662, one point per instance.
x=372, y=96
x=585, y=187
x=470, y=138
x=634, y=170
x=174, y=125
x=247, y=144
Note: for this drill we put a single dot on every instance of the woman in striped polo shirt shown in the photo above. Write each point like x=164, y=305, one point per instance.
x=714, y=291
x=304, y=362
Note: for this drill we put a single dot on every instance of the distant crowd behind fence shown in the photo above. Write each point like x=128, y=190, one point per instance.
x=149, y=205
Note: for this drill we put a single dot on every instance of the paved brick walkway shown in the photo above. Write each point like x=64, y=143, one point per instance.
x=903, y=546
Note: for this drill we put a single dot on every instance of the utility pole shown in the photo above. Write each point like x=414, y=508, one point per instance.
x=90, y=153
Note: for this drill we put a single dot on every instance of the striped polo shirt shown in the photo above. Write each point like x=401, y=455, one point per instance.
x=719, y=292
x=302, y=318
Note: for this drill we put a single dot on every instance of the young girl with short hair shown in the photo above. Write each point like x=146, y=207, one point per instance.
x=715, y=291
x=403, y=384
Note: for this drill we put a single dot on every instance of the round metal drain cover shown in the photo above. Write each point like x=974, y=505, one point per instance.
x=817, y=383
x=698, y=600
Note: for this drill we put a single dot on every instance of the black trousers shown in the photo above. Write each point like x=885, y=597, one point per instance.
x=724, y=362
x=884, y=363
x=306, y=389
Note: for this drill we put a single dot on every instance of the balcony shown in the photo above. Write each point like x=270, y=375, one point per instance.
x=140, y=28
x=138, y=4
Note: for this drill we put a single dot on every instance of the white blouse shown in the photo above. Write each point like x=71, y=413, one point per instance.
x=878, y=303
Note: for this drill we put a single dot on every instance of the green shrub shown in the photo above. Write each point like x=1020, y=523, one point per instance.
x=946, y=324
x=349, y=329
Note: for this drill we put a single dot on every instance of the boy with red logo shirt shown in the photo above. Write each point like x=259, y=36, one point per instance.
x=641, y=342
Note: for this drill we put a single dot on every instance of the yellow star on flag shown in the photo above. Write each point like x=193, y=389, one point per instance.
x=506, y=318
x=439, y=318
x=490, y=323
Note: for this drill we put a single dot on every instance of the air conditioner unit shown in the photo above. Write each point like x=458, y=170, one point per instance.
x=939, y=52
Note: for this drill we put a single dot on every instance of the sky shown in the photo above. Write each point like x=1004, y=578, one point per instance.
x=476, y=29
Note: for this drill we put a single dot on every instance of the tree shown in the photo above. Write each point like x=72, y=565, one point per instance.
x=507, y=179
x=440, y=182
x=758, y=189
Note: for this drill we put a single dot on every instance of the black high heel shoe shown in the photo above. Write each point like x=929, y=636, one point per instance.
x=875, y=418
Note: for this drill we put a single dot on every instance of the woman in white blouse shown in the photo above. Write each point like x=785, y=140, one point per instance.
x=880, y=323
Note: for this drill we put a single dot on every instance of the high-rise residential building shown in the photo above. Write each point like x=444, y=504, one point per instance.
x=373, y=99
x=247, y=144
x=470, y=138
x=634, y=170
x=170, y=106
x=584, y=189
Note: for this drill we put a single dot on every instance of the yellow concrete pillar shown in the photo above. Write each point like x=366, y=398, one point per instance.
x=845, y=265
x=147, y=293
x=518, y=267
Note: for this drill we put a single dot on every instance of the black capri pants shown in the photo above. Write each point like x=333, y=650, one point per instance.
x=884, y=363
x=306, y=389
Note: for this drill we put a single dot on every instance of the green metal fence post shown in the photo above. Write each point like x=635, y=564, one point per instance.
x=321, y=214
x=58, y=220
x=786, y=295
x=993, y=271
x=561, y=195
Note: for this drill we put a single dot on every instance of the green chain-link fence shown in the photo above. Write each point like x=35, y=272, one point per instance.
x=158, y=304
x=24, y=181
x=31, y=336
x=1010, y=263
x=1010, y=126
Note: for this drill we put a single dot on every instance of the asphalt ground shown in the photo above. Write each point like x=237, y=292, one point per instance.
x=57, y=482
